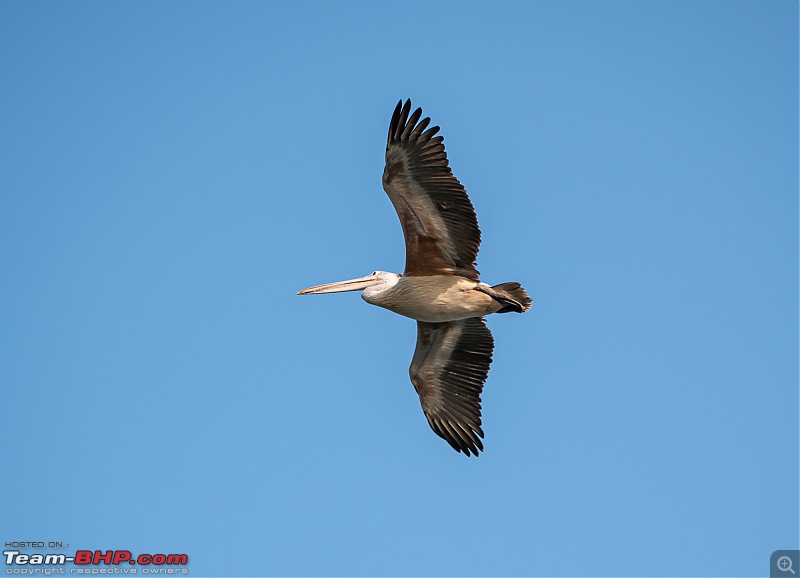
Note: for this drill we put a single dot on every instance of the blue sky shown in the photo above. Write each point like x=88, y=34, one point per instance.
x=172, y=173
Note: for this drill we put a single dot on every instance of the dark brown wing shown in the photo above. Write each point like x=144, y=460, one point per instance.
x=439, y=223
x=448, y=371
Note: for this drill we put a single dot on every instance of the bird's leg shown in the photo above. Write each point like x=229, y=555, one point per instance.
x=508, y=303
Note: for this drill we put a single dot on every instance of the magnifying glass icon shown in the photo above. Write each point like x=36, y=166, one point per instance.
x=784, y=564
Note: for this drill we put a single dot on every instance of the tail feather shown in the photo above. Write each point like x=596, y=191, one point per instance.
x=513, y=297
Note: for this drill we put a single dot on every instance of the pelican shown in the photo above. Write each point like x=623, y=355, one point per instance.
x=440, y=286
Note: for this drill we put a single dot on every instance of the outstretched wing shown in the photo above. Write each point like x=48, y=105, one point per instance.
x=439, y=222
x=448, y=371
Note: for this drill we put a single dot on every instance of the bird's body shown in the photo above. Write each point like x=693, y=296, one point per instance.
x=440, y=287
x=434, y=298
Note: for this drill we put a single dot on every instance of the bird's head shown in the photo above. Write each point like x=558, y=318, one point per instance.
x=377, y=281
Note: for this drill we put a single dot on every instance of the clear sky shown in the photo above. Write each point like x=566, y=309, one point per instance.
x=173, y=172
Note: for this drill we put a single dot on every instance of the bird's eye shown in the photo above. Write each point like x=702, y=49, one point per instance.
x=374, y=272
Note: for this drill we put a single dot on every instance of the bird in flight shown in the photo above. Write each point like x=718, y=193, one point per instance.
x=440, y=286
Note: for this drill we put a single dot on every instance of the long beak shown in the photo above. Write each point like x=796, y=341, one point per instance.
x=341, y=286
